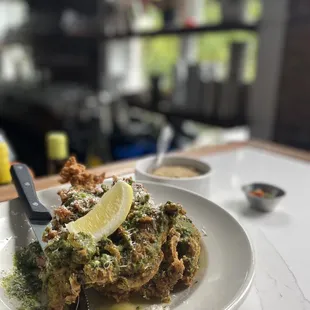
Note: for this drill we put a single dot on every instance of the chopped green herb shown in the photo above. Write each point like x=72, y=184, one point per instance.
x=23, y=283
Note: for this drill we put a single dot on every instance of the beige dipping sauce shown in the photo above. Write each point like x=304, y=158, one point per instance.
x=176, y=172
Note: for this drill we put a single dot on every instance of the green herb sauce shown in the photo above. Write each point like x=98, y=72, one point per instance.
x=23, y=283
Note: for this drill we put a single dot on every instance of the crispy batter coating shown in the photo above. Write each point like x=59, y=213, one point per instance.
x=64, y=288
x=170, y=272
x=154, y=249
x=77, y=174
x=181, y=255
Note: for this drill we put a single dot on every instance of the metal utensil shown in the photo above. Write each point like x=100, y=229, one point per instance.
x=75, y=306
x=163, y=142
x=39, y=217
x=82, y=302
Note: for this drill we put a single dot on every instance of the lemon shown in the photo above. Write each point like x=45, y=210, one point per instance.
x=124, y=306
x=107, y=215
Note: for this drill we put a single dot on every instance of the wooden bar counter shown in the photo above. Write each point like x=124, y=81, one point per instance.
x=8, y=192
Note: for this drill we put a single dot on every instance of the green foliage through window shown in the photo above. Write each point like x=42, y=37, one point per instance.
x=161, y=53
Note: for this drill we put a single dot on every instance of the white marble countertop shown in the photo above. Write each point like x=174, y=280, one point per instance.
x=280, y=238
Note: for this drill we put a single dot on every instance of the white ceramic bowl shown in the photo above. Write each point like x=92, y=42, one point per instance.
x=199, y=184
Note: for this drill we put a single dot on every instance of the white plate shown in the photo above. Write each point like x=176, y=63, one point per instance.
x=227, y=260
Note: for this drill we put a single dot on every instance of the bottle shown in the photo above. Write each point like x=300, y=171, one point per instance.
x=5, y=175
x=192, y=100
x=229, y=106
x=57, y=151
x=98, y=148
x=3, y=138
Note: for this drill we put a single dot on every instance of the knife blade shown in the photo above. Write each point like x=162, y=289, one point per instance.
x=38, y=215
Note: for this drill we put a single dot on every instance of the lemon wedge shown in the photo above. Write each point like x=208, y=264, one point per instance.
x=107, y=215
x=124, y=306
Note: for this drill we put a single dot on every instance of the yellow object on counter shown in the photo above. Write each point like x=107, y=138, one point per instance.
x=94, y=161
x=5, y=175
x=124, y=306
x=57, y=145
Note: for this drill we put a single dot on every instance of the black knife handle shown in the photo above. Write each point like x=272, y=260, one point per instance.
x=35, y=210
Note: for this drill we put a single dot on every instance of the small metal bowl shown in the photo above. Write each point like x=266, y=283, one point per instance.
x=265, y=204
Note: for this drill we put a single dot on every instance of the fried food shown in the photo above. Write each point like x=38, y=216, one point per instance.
x=77, y=174
x=181, y=255
x=63, y=288
x=155, y=248
x=139, y=244
x=170, y=272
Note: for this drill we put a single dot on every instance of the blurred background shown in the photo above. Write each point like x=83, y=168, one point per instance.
x=108, y=74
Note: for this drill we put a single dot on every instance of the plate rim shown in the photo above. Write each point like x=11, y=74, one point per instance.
x=244, y=290
x=246, y=286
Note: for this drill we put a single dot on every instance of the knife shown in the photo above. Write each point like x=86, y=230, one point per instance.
x=39, y=217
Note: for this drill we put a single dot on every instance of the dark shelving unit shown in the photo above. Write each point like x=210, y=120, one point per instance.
x=171, y=112
x=145, y=101
x=25, y=33
x=226, y=26
x=183, y=114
